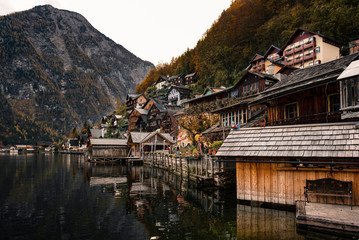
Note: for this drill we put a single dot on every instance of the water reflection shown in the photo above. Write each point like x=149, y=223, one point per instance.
x=65, y=197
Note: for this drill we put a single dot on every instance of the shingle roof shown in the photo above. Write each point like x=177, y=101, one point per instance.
x=308, y=77
x=137, y=137
x=133, y=95
x=166, y=136
x=351, y=71
x=142, y=111
x=339, y=140
x=108, y=142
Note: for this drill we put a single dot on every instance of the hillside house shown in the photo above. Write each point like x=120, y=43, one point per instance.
x=161, y=82
x=305, y=48
x=209, y=98
x=237, y=112
x=190, y=79
x=177, y=94
x=137, y=119
x=134, y=101
x=269, y=63
x=155, y=115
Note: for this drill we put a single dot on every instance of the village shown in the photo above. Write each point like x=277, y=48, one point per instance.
x=286, y=134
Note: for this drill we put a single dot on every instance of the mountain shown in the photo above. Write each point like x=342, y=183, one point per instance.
x=58, y=71
x=248, y=27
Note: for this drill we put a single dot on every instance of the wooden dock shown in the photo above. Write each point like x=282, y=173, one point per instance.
x=203, y=170
x=329, y=216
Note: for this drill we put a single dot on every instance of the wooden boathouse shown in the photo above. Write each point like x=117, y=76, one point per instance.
x=274, y=164
x=108, y=149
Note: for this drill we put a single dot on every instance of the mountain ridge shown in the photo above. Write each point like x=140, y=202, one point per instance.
x=57, y=69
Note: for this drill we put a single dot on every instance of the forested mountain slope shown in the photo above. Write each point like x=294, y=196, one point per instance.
x=248, y=27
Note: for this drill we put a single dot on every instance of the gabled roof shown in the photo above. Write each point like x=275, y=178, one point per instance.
x=137, y=137
x=261, y=75
x=133, y=96
x=208, y=96
x=351, y=71
x=160, y=105
x=308, y=77
x=190, y=75
x=108, y=142
x=142, y=111
x=256, y=57
x=212, y=90
x=272, y=49
x=161, y=79
x=299, y=30
x=182, y=90
x=165, y=136
x=330, y=141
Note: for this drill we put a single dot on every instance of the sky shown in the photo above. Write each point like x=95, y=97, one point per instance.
x=153, y=30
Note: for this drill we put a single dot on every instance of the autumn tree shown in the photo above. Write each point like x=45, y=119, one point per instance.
x=195, y=121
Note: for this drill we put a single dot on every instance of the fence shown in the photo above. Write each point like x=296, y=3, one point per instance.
x=203, y=169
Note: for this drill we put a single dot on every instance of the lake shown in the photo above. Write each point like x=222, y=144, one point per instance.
x=54, y=196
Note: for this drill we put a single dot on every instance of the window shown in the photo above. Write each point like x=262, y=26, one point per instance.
x=291, y=111
x=300, y=54
x=310, y=51
x=301, y=66
x=350, y=92
x=292, y=46
x=317, y=49
x=224, y=121
x=301, y=42
x=310, y=39
x=333, y=102
x=311, y=64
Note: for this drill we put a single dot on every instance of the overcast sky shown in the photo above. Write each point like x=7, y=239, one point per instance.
x=154, y=30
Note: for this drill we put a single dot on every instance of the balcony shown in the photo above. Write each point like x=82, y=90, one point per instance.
x=288, y=52
x=298, y=49
x=298, y=59
x=309, y=56
x=309, y=44
x=288, y=62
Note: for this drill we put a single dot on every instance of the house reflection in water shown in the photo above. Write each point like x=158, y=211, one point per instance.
x=262, y=223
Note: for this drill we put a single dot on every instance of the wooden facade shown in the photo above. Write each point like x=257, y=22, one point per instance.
x=316, y=105
x=283, y=184
x=134, y=101
x=273, y=163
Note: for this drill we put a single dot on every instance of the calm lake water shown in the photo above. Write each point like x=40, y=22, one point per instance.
x=46, y=196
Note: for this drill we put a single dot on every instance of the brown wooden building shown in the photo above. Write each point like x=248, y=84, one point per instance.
x=134, y=101
x=310, y=95
x=273, y=163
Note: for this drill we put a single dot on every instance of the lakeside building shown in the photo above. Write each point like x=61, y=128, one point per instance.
x=309, y=134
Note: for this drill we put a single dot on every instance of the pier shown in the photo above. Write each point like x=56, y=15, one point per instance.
x=203, y=169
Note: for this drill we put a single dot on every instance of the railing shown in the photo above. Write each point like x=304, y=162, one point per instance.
x=201, y=168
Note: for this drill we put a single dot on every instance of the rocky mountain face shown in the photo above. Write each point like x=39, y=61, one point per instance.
x=59, y=71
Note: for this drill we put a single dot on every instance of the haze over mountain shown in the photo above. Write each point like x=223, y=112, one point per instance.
x=57, y=70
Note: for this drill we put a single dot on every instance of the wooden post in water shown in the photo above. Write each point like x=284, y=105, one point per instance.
x=201, y=173
x=212, y=167
x=180, y=159
x=206, y=159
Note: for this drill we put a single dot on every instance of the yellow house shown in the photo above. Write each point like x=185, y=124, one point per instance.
x=305, y=48
x=269, y=63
